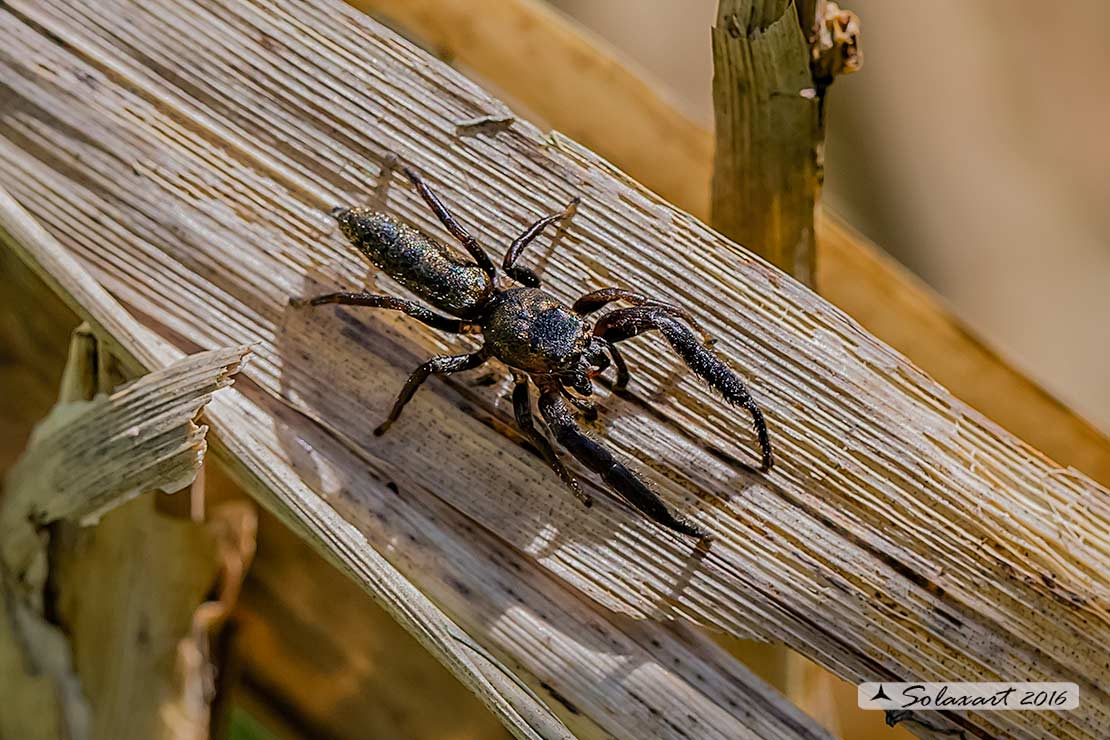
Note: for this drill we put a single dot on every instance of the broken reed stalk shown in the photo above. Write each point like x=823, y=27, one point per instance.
x=772, y=66
x=768, y=131
x=92, y=655
x=575, y=84
x=900, y=535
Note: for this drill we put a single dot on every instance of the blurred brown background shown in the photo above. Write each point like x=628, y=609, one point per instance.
x=973, y=146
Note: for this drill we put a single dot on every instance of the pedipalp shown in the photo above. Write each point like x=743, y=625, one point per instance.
x=591, y=302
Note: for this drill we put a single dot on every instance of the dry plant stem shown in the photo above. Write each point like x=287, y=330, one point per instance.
x=901, y=535
x=766, y=168
x=276, y=485
x=324, y=663
x=126, y=591
x=232, y=528
x=89, y=455
x=142, y=432
x=767, y=165
x=890, y=301
x=37, y=674
x=559, y=657
x=578, y=85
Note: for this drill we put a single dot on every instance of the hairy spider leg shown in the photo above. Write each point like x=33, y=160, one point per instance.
x=457, y=230
x=601, y=461
x=413, y=309
x=591, y=302
x=522, y=407
x=444, y=365
x=625, y=323
x=523, y=275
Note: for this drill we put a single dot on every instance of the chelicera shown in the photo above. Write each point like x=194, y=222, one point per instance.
x=540, y=339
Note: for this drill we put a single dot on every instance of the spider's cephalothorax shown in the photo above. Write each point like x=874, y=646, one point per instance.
x=541, y=339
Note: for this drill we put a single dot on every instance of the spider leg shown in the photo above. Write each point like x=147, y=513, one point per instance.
x=601, y=461
x=628, y=322
x=435, y=366
x=522, y=407
x=523, y=275
x=413, y=309
x=621, y=383
x=591, y=302
x=457, y=230
x=587, y=407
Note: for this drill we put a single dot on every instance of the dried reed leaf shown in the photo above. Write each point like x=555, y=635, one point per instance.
x=85, y=458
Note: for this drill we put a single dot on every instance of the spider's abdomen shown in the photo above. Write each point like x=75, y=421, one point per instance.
x=529, y=330
x=415, y=260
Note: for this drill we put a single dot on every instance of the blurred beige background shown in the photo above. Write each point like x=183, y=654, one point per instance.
x=974, y=146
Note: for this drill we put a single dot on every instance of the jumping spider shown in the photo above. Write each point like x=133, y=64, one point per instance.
x=538, y=337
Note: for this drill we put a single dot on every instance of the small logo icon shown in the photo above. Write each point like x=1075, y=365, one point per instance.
x=880, y=694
